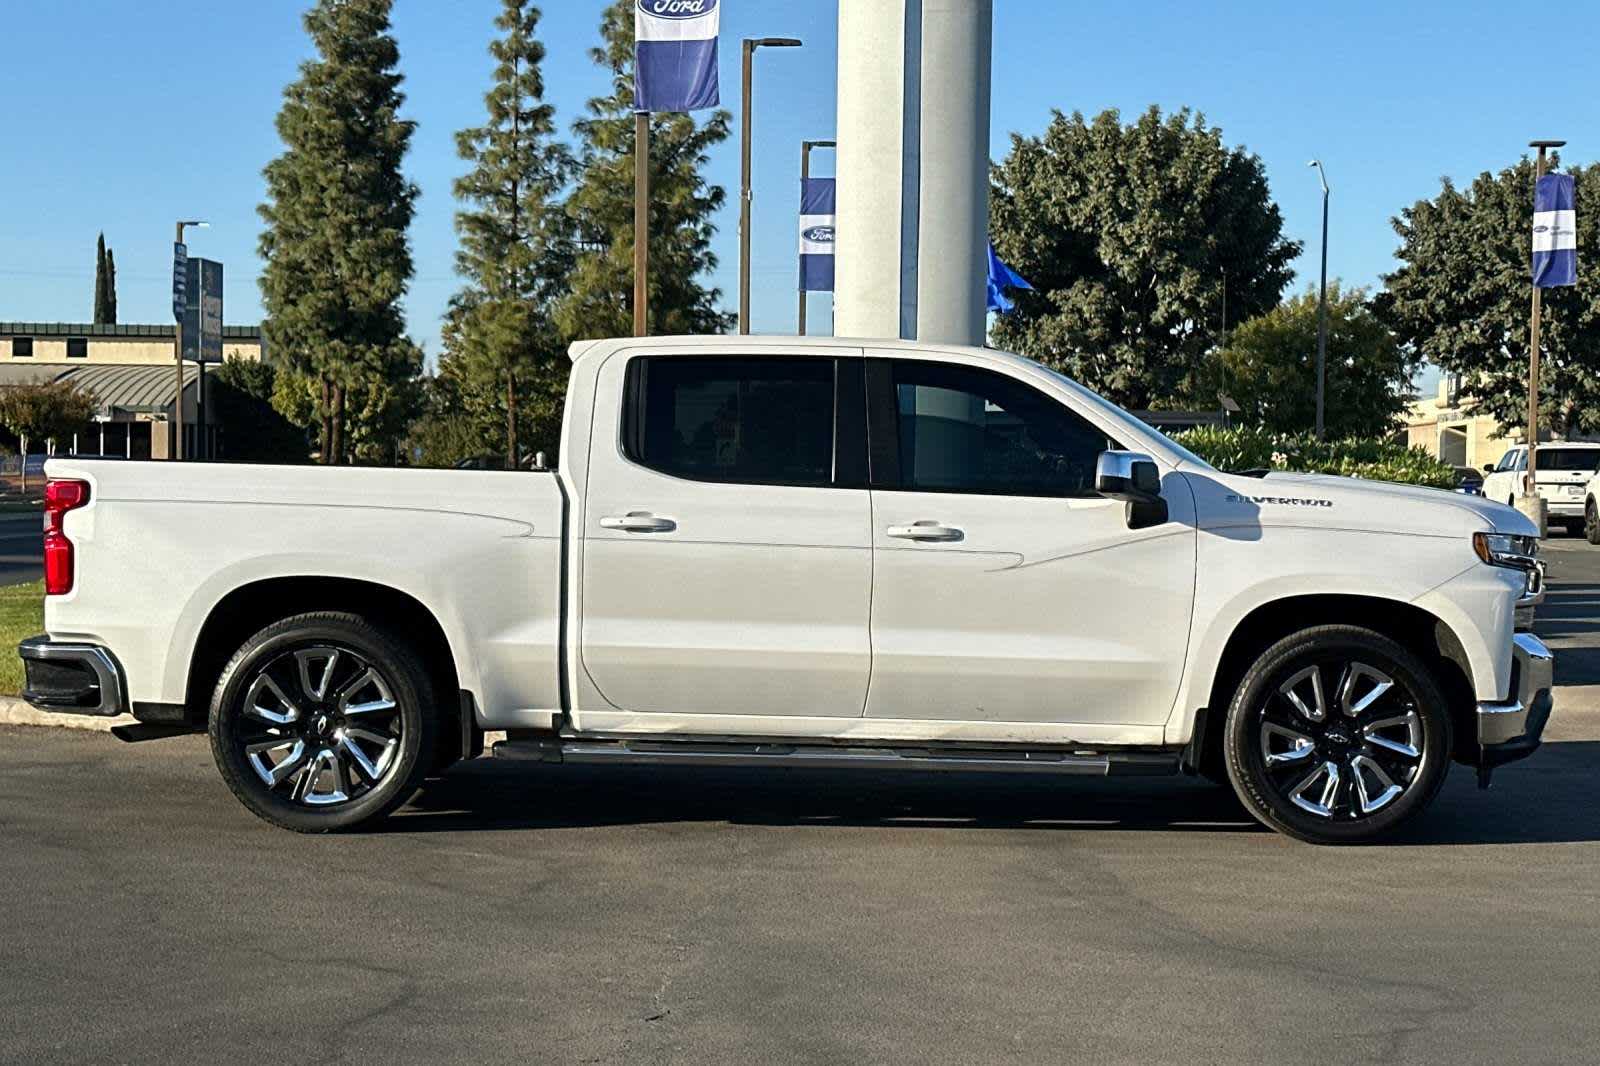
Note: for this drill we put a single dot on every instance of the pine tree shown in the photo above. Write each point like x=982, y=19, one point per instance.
x=599, y=298
x=337, y=257
x=100, y=280
x=111, y=287
x=501, y=347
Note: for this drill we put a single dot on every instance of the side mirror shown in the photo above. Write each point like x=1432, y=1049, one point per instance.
x=1133, y=477
x=1488, y=468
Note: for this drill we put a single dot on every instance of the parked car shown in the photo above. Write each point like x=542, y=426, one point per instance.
x=1469, y=480
x=1563, y=471
x=806, y=552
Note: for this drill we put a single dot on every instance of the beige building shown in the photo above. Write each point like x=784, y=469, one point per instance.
x=129, y=371
x=1445, y=426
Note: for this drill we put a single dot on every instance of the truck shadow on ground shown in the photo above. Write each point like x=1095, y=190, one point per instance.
x=1545, y=800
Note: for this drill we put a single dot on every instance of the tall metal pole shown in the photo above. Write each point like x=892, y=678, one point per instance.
x=805, y=173
x=641, y=224
x=1533, y=355
x=1322, y=307
x=177, y=352
x=747, y=68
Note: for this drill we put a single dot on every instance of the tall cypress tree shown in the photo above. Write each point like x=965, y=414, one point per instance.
x=111, y=288
x=337, y=257
x=599, y=300
x=501, y=345
x=100, y=280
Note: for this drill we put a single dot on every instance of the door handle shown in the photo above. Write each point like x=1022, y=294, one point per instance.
x=926, y=531
x=638, y=522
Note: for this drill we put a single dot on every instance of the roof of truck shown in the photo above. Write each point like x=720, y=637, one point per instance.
x=581, y=349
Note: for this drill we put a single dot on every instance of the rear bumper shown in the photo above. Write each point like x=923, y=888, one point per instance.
x=72, y=678
x=1511, y=729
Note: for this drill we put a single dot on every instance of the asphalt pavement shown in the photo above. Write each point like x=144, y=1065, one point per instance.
x=567, y=914
x=21, y=548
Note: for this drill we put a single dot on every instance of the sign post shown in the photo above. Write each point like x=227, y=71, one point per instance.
x=1531, y=503
x=202, y=336
x=180, y=309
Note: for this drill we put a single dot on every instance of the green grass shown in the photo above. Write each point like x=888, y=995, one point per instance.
x=21, y=615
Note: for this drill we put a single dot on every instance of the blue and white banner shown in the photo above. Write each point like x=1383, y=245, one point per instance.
x=1555, y=232
x=816, y=234
x=1002, y=278
x=675, y=54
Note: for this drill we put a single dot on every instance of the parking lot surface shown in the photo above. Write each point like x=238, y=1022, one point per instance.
x=567, y=914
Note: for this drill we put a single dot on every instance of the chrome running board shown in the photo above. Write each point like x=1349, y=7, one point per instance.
x=832, y=757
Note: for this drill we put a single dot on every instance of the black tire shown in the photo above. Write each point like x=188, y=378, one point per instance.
x=370, y=710
x=1289, y=790
x=1591, y=522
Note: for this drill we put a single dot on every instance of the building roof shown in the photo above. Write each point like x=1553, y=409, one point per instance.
x=86, y=329
x=133, y=389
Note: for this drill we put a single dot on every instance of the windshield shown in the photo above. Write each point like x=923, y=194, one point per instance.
x=1583, y=459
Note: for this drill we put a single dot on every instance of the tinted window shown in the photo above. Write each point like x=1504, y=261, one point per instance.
x=77, y=347
x=758, y=421
x=1584, y=459
x=21, y=347
x=960, y=429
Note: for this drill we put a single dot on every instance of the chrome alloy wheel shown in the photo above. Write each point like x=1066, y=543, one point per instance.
x=1340, y=739
x=320, y=726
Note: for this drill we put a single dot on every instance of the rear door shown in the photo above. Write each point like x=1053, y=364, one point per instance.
x=727, y=555
x=1005, y=589
x=1564, y=473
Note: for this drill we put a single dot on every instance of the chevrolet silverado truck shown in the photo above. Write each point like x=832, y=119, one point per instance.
x=802, y=553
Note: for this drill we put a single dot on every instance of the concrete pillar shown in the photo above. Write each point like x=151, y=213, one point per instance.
x=913, y=167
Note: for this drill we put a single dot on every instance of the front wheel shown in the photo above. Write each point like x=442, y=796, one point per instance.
x=323, y=722
x=1337, y=734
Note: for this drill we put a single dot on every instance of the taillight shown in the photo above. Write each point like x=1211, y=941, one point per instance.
x=59, y=498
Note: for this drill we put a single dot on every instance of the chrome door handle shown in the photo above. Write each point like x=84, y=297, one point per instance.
x=925, y=531
x=638, y=522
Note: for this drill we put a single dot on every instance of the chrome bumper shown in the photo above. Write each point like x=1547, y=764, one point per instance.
x=70, y=678
x=1513, y=727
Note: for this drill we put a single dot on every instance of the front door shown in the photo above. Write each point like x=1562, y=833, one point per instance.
x=727, y=544
x=1005, y=590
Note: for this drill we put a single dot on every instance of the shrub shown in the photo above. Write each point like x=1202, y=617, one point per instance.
x=1250, y=448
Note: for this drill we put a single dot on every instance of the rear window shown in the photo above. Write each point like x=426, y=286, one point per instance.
x=1585, y=459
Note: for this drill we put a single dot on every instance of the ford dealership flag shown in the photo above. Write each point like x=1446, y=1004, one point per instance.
x=1555, y=233
x=1001, y=278
x=675, y=54
x=816, y=234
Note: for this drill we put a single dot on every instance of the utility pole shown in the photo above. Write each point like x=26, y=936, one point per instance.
x=747, y=88
x=1535, y=503
x=177, y=348
x=1322, y=304
x=805, y=173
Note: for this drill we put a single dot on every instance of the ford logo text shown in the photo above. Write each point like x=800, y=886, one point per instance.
x=819, y=234
x=677, y=9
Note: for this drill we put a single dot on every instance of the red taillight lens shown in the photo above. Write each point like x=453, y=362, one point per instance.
x=59, y=498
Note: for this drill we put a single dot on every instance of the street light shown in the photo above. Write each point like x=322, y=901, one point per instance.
x=750, y=46
x=805, y=173
x=1322, y=300
x=177, y=402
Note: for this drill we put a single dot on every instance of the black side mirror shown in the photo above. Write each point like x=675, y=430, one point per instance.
x=1488, y=468
x=1135, y=478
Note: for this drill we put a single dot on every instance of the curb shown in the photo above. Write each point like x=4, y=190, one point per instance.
x=14, y=712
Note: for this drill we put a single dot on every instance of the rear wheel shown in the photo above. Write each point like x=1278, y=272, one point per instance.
x=1337, y=734
x=1591, y=522
x=323, y=722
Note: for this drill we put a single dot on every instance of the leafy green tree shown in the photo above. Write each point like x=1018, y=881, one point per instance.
x=515, y=248
x=337, y=256
x=598, y=301
x=1460, y=298
x=50, y=411
x=1269, y=367
x=1129, y=235
x=444, y=433
x=241, y=392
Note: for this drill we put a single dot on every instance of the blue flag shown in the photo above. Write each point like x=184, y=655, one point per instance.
x=1001, y=278
x=675, y=54
x=816, y=234
x=1555, y=232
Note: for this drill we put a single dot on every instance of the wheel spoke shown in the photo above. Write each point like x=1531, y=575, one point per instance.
x=265, y=685
x=1362, y=767
x=1315, y=711
x=1353, y=705
x=386, y=746
x=1411, y=747
x=1322, y=806
x=272, y=773
x=367, y=679
x=317, y=690
x=324, y=764
x=1301, y=747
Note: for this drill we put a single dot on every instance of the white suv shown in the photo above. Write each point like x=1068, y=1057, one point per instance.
x=1564, y=471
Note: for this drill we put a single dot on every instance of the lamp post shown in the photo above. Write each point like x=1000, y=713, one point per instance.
x=750, y=46
x=1322, y=303
x=177, y=401
x=805, y=173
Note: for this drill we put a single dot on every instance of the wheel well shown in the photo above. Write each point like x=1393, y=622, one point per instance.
x=250, y=608
x=1413, y=628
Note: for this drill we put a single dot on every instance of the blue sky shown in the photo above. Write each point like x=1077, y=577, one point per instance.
x=108, y=126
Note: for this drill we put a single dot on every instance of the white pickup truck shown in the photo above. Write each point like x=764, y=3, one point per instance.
x=813, y=552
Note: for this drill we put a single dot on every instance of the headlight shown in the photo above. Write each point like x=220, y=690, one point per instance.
x=1503, y=549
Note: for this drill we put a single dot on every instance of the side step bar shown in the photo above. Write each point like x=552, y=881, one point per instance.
x=830, y=757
